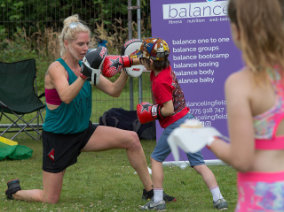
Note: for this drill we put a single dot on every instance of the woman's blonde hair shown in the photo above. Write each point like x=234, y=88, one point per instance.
x=72, y=25
x=260, y=23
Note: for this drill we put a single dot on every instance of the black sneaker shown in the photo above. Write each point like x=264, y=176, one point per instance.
x=13, y=187
x=220, y=204
x=147, y=195
x=169, y=198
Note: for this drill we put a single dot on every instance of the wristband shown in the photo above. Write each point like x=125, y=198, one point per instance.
x=156, y=111
x=83, y=76
x=160, y=115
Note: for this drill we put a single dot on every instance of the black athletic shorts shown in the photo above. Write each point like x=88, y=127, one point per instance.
x=62, y=150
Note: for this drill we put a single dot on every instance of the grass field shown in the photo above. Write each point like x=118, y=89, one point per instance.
x=104, y=181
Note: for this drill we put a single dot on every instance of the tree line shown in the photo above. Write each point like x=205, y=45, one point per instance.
x=36, y=15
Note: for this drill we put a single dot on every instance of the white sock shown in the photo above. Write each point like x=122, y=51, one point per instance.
x=158, y=194
x=216, y=194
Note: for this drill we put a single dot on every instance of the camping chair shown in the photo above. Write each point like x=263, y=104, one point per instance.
x=19, y=99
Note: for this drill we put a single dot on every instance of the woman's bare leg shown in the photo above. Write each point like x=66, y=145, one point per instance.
x=105, y=138
x=52, y=185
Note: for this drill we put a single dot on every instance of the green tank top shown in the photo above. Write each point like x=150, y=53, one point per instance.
x=73, y=117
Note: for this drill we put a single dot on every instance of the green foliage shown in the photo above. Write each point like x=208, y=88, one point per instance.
x=34, y=15
x=13, y=9
x=20, y=49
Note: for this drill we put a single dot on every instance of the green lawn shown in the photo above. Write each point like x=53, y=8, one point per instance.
x=104, y=181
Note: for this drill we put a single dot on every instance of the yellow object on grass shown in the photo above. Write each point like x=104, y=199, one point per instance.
x=8, y=141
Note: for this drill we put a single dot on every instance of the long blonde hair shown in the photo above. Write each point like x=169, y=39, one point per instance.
x=72, y=25
x=260, y=23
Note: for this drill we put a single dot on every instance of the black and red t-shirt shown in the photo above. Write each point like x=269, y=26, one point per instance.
x=165, y=87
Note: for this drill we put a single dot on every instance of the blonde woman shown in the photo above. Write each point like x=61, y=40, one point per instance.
x=67, y=130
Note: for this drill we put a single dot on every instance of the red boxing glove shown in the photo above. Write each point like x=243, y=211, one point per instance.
x=147, y=112
x=114, y=64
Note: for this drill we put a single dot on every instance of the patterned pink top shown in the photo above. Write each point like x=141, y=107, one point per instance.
x=263, y=191
x=266, y=124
